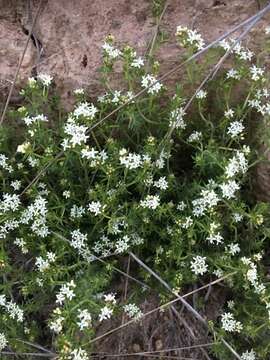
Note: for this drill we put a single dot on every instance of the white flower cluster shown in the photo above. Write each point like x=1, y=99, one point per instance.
x=256, y=73
x=107, y=311
x=76, y=134
x=16, y=184
x=116, y=97
x=8, y=226
x=4, y=163
x=137, y=62
x=237, y=164
x=132, y=160
x=252, y=276
x=78, y=354
x=111, y=51
x=133, y=311
x=150, y=81
x=66, y=292
x=30, y=120
x=21, y=243
x=85, y=110
x=36, y=213
x=96, y=157
x=176, y=118
x=233, y=74
x=214, y=235
x=24, y=147
x=207, y=201
x=249, y=355
x=85, y=319
x=229, y=189
x=233, y=249
x=229, y=323
x=241, y=52
x=78, y=239
x=12, y=308
x=198, y=265
x=43, y=263
x=236, y=129
x=56, y=325
x=194, y=136
x=150, y=202
x=95, y=207
x=3, y=341
x=10, y=202
x=45, y=79
x=188, y=37
x=161, y=183
x=201, y=94
x=79, y=91
x=77, y=212
x=186, y=222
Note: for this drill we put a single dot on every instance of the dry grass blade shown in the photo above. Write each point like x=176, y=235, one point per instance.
x=161, y=307
x=184, y=302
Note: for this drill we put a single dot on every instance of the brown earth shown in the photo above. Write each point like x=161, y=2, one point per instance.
x=71, y=34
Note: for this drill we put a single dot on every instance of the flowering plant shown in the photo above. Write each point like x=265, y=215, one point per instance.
x=168, y=181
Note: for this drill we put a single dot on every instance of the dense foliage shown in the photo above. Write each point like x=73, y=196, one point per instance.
x=170, y=182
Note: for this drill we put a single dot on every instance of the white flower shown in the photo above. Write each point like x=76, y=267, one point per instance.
x=198, y=265
x=233, y=74
x=150, y=80
x=201, y=94
x=229, y=323
x=85, y=319
x=79, y=91
x=4, y=163
x=189, y=37
x=28, y=120
x=218, y=272
x=66, y=292
x=9, y=203
x=229, y=189
x=181, y=206
x=137, y=63
x=16, y=184
x=77, y=134
x=229, y=113
x=95, y=207
x=23, y=147
x=45, y=79
x=249, y=355
x=195, y=136
x=57, y=324
x=77, y=212
x=32, y=82
x=43, y=263
x=21, y=244
x=207, y=201
x=110, y=298
x=237, y=164
x=133, y=311
x=187, y=222
x=233, y=249
x=78, y=354
x=256, y=73
x=176, y=118
x=161, y=184
x=3, y=341
x=66, y=194
x=235, y=129
x=237, y=217
x=105, y=313
x=150, y=202
x=78, y=239
x=111, y=51
x=130, y=160
x=86, y=110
